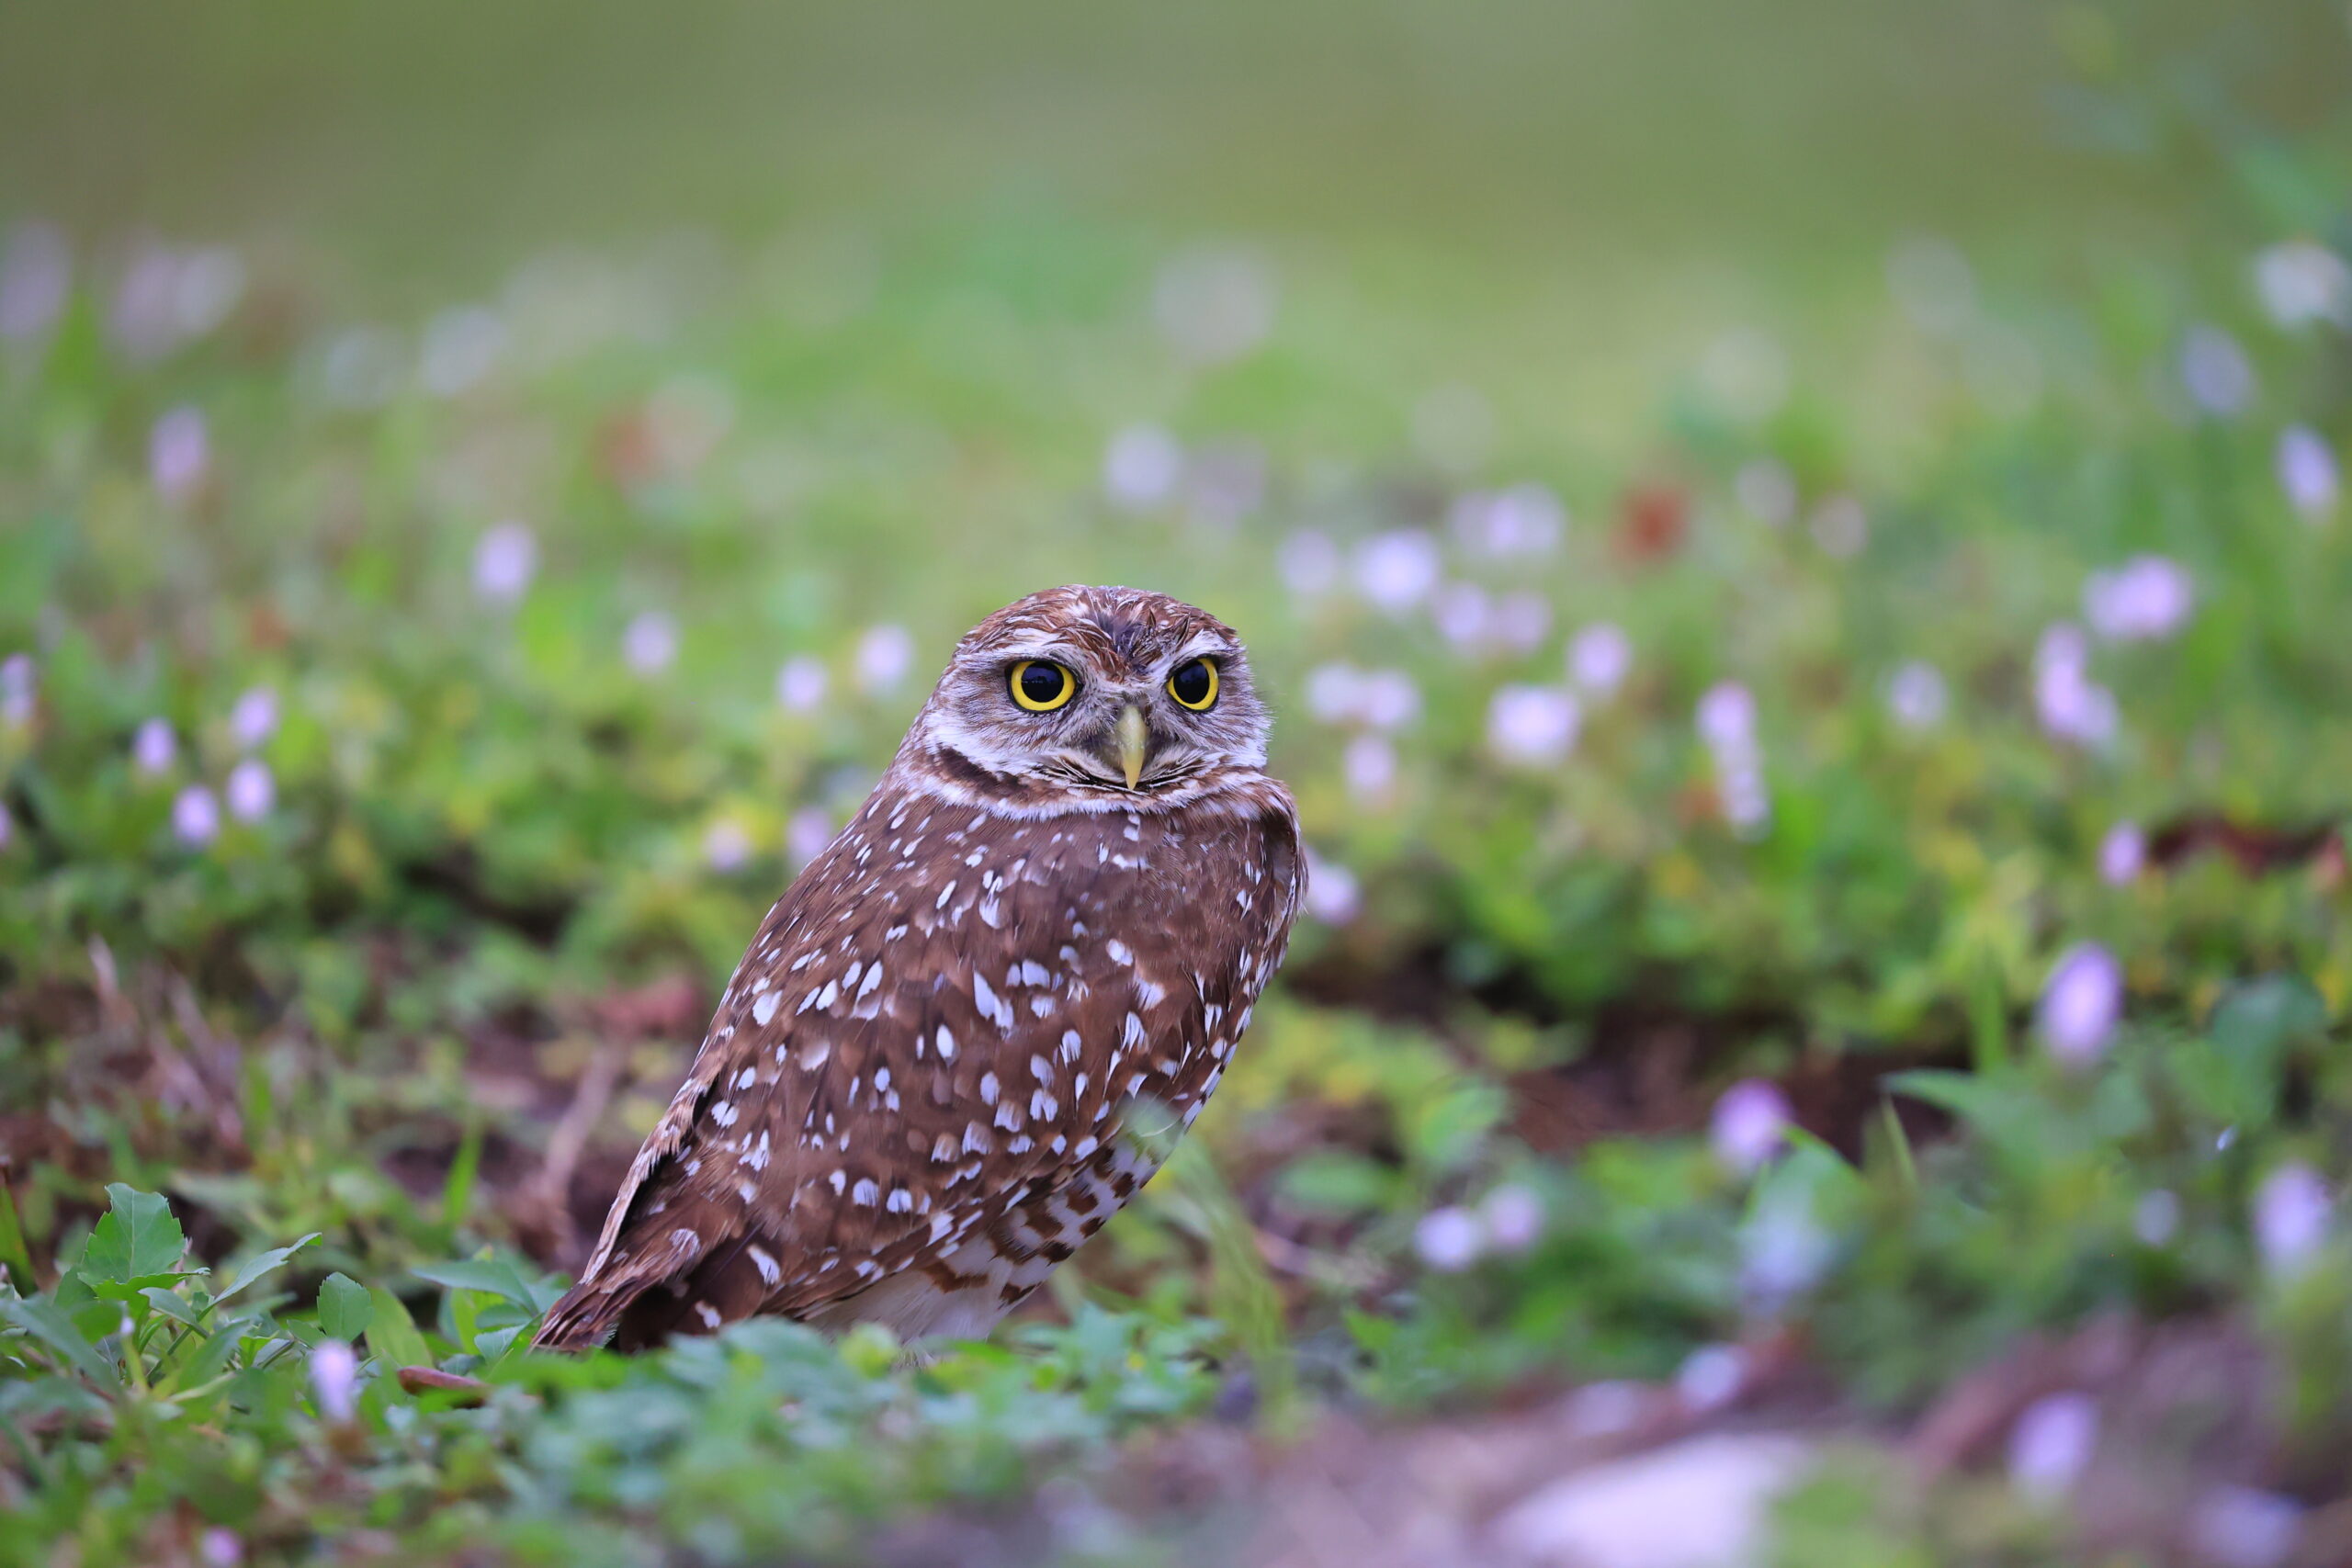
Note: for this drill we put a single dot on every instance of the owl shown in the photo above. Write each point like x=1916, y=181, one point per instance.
x=922, y=1089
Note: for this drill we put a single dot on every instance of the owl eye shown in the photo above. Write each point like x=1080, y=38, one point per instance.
x=1041, y=685
x=1193, y=684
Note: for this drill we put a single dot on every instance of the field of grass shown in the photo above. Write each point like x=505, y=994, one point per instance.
x=1811, y=658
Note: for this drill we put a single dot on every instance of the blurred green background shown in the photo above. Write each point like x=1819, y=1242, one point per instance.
x=1797, y=555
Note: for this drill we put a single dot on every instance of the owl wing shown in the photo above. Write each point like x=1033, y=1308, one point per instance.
x=942, y=1018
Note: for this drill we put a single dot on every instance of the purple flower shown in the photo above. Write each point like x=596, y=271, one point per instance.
x=1726, y=717
x=2215, y=372
x=1783, y=1250
x=2291, y=1216
x=1449, y=1239
x=251, y=790
x=196, y=817
x=2122, y=853
x=2081, y=1004
x=809, y=834
x=1464, y=617
x=1310, y=563
x=1513, y=1218
x=1767, y=491
x=36, y=276
x=1710, y=1378
x=219, y=1548
x=2307, y=472
x=2239, y=1526
x=1335, y=692
x=1214, y=306
x=1532, y=727
x=179, y=454
x=885, y=654
x=1523, y=619
x=650, y=643
x=1600, y=658
x=16, y=687
x=801, y=684
x=1369, y=764
x=461, y=346
x=2303, y=281
x=1333, y=895
x=506, y=562
x=1727, y=722
x=1397, y=571
x=334, y=1379
x=154, y=748
x=726, y=845
x=1916, y=695
x=168, y=296
x=2148, y=598
x=2051, y=1445
x=1750, y=1123
x=1141, y=467
x=1525, y=520
x=8, y=826
x=1387, y=699
x=2069, y=704
x=255, y=719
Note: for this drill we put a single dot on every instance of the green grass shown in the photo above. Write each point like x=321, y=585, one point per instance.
x=362, y=1069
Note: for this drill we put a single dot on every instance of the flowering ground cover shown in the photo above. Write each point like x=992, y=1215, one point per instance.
x=1823, y=998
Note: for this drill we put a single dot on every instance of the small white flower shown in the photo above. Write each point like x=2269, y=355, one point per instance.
x=1214, y=305
x=1784, y=1251
x=1767, y=491
x=2215, y=372
x=801, y=684
x=1710, y=1378
x=1333, y=895
x=1397, y=571
x=1463, y=615
x=2308, y=472
x=2156, y=1219
x=251, y=790
x=196, y=815
x=1841, y=528
x=1335, y=692
x=255, y=719
x=809, y=834
x=2147, y=598
x=2052, y=1445
x=1368, y=765
x=2069, y=704
x=650, y=643
x=461, y=346
x=1310, y=563
x=154, y=748
x=334, y=1379
x=2081, y=1004
x=219, y=1548
x=726, y=845
x=2122, y=853
x=1141, y=467
x=1916, y=696
x=1449, y=1239
x=2291, y=1216
x=506, y=562
x=1532, y=727
x=1747, y=802
x=885, y=654
x=1513, y=1218
x=1725, y=718
x=1388, y=699
x=179, y=454
x=1521, y=620
x=36, y=277
x=1750, y=1123
x=2303, y=281
x=1600, y=658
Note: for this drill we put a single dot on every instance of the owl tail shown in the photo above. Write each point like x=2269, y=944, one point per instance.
x=633, y=1308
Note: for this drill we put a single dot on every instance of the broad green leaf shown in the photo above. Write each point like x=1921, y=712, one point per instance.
x=492, y=1344
x=174, y=1305
x=345, y=1307
x=392, y=1333
x=492, y=1276
x=263, y=1263
x=138, y=1238
x=50, y=1323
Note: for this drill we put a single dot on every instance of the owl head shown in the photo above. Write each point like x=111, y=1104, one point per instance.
x=1093, y=698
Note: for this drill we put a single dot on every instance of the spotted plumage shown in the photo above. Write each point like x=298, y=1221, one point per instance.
x=920, y=1092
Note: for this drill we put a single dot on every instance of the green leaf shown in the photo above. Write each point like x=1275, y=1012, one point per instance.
x=392, y=1333
x=174, y=1305
x=265, y=1263
x=492, y=1344
x=492, y=1276
x=48, y=1322
x=138, y=1238
x=345, y=1307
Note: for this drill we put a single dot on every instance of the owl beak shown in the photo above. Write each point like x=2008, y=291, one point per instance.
x=1133, y=739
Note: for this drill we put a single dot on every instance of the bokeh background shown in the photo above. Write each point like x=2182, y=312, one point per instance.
x=1797, y=555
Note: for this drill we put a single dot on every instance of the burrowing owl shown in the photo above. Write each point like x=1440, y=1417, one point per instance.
x=1061, y=901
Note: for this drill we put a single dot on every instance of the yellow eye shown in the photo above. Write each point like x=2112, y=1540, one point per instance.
x=1193, y=684
x=1041, y=685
